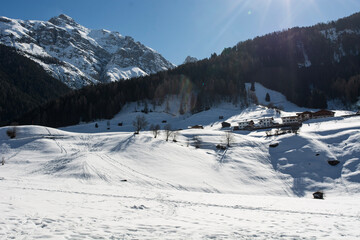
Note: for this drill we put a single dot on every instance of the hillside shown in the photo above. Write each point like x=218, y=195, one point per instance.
x=309, y=65
x=79, y=56
x=24, y=85
x=63, y=182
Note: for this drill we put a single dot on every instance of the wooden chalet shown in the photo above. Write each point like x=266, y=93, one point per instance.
x=323, y=114
x=305, y=116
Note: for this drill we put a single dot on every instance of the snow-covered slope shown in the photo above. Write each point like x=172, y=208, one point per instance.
x=79, y=56
x=88, y=182
x=114, y=184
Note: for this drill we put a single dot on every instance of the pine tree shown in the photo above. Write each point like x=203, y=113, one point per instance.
x=267, y=97
x=252, y=88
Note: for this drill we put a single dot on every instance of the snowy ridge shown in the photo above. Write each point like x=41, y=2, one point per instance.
x=79, y=56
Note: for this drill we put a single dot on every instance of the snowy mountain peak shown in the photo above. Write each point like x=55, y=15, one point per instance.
x=79, y=56
x=63, y=19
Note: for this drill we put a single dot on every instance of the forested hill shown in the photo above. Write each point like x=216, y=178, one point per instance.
x=24, y=85
x=308, y=65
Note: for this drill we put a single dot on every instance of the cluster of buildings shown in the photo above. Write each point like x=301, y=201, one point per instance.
x=304, y=116
x=289, y=120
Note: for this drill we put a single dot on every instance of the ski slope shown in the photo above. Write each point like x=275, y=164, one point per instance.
x=82, y=182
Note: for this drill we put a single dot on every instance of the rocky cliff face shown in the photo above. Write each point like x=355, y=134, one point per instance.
x=190, y=59
x=79, y=56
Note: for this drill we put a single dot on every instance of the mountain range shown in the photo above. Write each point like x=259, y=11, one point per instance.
x=79, y=56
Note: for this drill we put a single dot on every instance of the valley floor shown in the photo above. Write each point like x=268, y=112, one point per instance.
x=32, y=209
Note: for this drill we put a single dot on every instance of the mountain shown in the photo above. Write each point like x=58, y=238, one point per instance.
x=190, y=59
x=310, y=66
x=79, y=56
x=24, y=85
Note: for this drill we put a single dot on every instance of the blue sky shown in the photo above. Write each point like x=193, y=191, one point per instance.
x=178, y=28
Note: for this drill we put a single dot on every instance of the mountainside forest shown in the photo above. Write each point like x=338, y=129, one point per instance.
x=309, y=65
x=24, y=85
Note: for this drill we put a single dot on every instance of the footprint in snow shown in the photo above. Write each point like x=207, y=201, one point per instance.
x=139, y=207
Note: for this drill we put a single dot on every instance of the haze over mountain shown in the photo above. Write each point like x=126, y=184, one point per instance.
x=79, y=56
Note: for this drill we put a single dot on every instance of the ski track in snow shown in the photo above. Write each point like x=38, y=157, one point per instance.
x=162, y=217
x=82, y=182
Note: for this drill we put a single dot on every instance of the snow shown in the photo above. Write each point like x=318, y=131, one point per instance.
x=276, y=98
x=70, y=182
x=307, y=62
x=336, y=36
x=115, y=73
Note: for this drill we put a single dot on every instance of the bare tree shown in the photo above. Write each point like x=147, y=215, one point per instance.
x=168, y=131
x=3, y=161
x=197, y=141
x=139, y=123
x=229, y=138
x=174, y=135
x=155, y=129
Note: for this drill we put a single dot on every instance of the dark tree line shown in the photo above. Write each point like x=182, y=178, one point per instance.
x=105, y=100
x=24, y=85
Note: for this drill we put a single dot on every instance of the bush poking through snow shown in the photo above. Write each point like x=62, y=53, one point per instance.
x=318, y=195
x=273, y=145
x=333, y=162
x=11, y=132
x=221, y=147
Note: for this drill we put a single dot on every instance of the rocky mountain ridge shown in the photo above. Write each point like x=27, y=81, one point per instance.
x=79, y=56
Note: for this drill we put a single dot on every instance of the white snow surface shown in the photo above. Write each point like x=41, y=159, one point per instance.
x=69, y=183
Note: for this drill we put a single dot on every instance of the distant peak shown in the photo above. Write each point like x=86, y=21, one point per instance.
x=190, y=59
x=61, y=19
x=65, y=17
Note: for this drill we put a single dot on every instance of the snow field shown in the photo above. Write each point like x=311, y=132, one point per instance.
x=82, y=182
